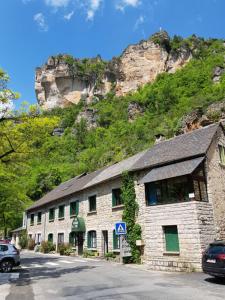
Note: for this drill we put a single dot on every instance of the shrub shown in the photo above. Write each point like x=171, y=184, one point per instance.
x=64, y=249
x=31, y=244
x=88, y=253
x=23, y=240
x=47, y=246
x=110, y=255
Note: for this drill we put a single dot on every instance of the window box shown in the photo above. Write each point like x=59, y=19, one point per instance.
x=171, y=253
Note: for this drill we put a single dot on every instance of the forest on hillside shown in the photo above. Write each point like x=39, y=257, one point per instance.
x=33, y=160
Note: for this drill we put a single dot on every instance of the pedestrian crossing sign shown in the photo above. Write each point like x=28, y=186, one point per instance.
x=120, y=228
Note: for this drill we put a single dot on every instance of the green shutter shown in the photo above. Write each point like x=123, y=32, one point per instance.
x=77, y=208
x=113, y=198
x=114, y=239
x=171, y=237
x=88, y=240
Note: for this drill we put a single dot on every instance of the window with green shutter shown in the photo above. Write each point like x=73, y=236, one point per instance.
x=32, y=219
x=50, y=237
x=51, y=215
x=92, y=239
x=92, y=203
x=116, y=197
x=39, y=217
x=74, y=208
x=116, y=241
x=171, y=239
x=222, y=154
x=61, y=211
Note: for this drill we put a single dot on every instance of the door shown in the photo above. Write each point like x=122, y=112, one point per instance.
x=105, y=241
x=80, y=242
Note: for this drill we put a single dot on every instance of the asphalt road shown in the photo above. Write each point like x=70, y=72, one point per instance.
x=45, y=277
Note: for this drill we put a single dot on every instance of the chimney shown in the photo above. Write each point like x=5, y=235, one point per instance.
x=159, y=138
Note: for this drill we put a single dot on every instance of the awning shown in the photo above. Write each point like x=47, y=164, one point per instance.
x=78, y=225
x=174, y=170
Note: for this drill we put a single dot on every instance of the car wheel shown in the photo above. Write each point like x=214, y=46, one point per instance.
x=6, y=266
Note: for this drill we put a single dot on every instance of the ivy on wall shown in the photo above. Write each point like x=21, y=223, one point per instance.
x=129, y=215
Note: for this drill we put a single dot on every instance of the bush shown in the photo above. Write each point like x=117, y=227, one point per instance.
x=110, y=255
x=31, y=244
x=47, y=246
x=65, y=249
x=23, y=240
x=88, y=253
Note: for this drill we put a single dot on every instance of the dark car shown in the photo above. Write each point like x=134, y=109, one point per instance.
x=213, y=259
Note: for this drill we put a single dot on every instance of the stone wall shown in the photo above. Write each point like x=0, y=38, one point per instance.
x=216, y=184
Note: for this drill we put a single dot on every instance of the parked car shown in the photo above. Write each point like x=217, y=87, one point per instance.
x=9, y=257
x=213, y=259
x=5, y=241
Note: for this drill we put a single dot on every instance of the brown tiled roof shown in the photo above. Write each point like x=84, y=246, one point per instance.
x=189, y=145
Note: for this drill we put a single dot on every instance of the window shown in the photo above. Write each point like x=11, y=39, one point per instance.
x=169, y=191
x=171, y=239
x=222, y=154
x=61, y=211
x=39, y=218
x=3, y=248
x=74, y=208
x=51, y=214
x=38, y=238
x=92, y=203
x=116, y=197
x=92, y=240
x=116, y=241
x=32, y=219
x=60, y=238
x=50, y=237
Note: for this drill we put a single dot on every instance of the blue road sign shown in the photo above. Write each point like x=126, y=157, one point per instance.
x=120, y=228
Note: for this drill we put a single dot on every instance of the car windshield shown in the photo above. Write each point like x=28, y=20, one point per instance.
x=216, y=249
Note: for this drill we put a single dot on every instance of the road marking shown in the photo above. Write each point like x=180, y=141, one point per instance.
x=79, y=260
x=37, y=266
x=14, y=276
x=92, y=259
x=51, y=263
x=66, y=261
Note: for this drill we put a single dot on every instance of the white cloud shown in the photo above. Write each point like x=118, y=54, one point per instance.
x=39, y=18
x=57, y=3
x=140, y=20
x=122, y=4
x=69, y=15
x=93, y=6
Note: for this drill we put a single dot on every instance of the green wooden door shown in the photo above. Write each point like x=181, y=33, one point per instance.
x=172, y=240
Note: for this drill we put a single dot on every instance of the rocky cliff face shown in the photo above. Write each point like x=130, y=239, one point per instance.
x=63, y=80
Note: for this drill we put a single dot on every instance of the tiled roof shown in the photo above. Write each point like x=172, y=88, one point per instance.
x=189, y=145
x=172, y=170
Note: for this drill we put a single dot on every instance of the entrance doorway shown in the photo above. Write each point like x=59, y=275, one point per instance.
x=105, y=241
x=77, y=240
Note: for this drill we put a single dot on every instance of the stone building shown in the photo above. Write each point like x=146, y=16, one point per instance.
x=180, y=189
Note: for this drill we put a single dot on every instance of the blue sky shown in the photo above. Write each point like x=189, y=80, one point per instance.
x=32, y=30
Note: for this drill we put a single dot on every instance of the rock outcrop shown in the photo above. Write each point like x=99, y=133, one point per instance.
x=215, y=112
x=57, y=86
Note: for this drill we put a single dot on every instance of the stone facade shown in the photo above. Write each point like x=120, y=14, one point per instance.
x=198, y=222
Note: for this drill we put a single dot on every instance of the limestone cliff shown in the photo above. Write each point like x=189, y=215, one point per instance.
x=64, y=80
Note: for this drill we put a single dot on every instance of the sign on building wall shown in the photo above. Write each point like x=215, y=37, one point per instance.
x=120, y=228
x=125, y=247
